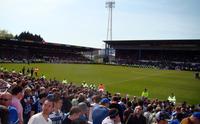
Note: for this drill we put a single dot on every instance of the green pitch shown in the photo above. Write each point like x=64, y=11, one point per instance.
x=125, y=80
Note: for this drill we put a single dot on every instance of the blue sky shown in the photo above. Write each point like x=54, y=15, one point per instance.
x=84, y=22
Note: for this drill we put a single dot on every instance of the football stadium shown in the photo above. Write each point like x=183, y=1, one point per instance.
x=131, y=79
x=161, y=67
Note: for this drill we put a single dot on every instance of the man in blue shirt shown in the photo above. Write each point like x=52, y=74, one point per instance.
x=101, y=112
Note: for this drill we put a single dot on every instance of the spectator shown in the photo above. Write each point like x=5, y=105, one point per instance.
x=73, y=115
x=193, y=119
x=113, y=117
x=136, y=117
x=114, y=104
x=3, y=115
x=101, y=112
x=17, y=95
x=57, y=116
x=5, y=100
x=27, y=104
x=96, y=99
x=43, y=117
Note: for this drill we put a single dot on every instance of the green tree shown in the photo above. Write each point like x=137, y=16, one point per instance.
x=5, y=34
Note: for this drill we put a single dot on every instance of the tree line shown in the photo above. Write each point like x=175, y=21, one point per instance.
x=26, y=35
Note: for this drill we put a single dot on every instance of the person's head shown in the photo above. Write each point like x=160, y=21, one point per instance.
x=84, y=108
x=18, y=92
x=96, y=98
x=138, y=110
x=196, y=117
x=47, y=107
x=27, y=91
x=5, y=99
x=74, y=113
x=105, y=102
x=58, y=102
x=114, y=114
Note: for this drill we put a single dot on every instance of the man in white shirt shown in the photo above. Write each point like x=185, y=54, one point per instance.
x=43, y=117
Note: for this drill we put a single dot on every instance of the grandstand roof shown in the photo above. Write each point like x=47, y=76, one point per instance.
x=41, y=45
x=168, y=44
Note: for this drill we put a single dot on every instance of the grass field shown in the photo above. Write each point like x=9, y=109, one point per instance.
x=160, y=83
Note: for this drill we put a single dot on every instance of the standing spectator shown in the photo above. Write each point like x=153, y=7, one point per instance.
x=23, y=70
x=3, y=115
x=84, y=112
x=66, y=102
x=36, y=71
x=193, y=119
x=113, y=117
x=136, y=117
x=43, y=117
x=57, y=116
x=114, y=104
x=17, y=95
x=32, y=71
x=5, y=100
x=128, y=111
x=101, y=112
x=96, y=99
x=149, y=115
x=73, y=115
x=161, y=117
x=26, y=104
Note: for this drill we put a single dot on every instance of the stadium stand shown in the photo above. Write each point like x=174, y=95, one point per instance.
x=29, y=51
x=164, y=54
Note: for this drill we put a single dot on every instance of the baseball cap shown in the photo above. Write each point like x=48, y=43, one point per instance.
x=105, y=100
x=196, y=115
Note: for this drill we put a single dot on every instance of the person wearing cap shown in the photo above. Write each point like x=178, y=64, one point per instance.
x=101, y=112
x=193, y=119
x=113, y=117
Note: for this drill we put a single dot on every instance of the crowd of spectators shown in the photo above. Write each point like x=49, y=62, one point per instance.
x=34, y=100
x=48, y=58
x=162, y=60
